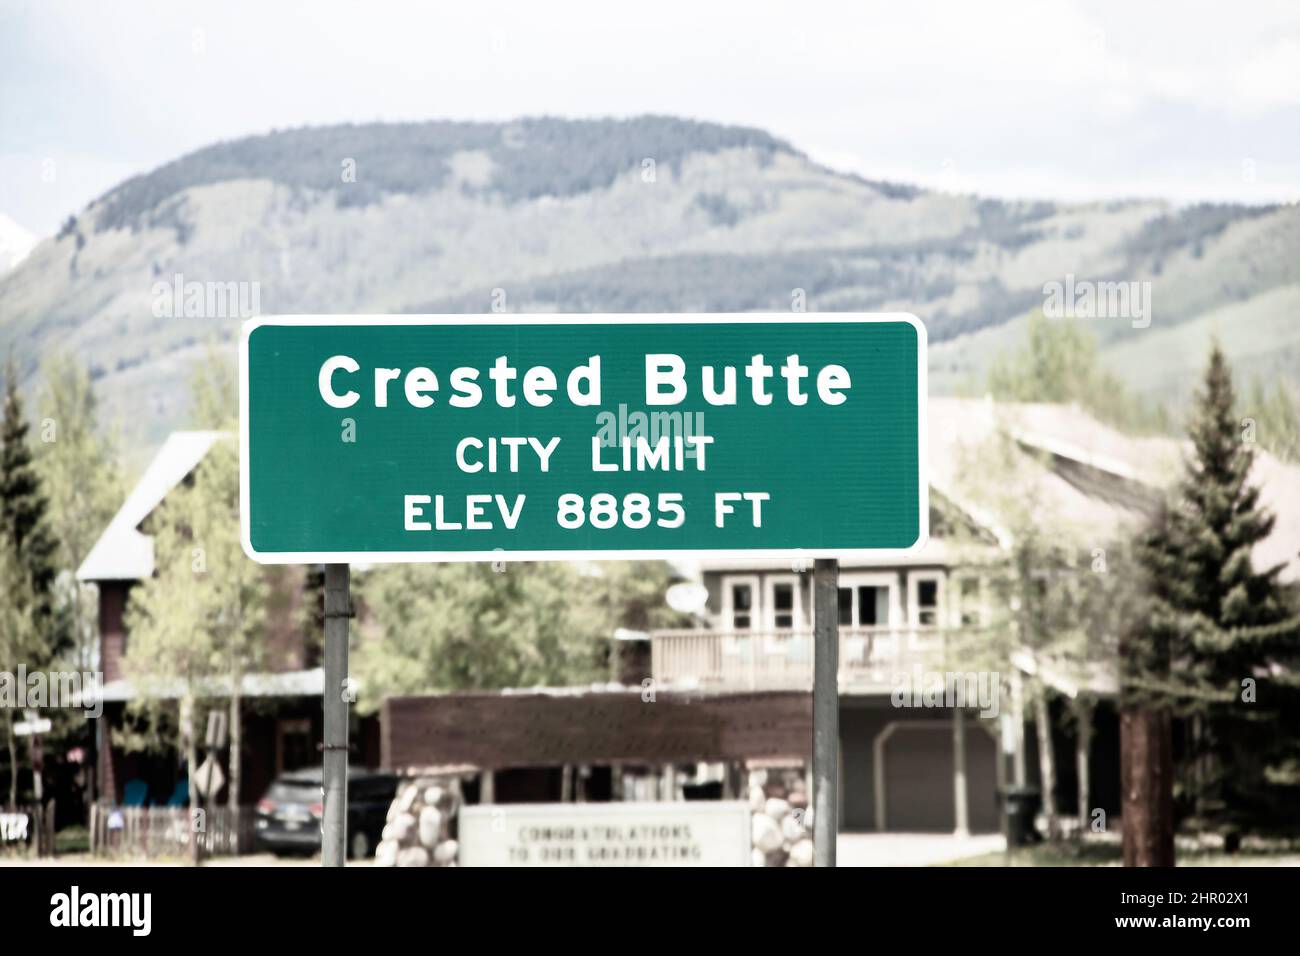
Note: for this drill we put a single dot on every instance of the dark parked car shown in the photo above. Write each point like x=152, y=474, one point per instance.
x=289, y=816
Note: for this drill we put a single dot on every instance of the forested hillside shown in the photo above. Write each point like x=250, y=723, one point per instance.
x=649, y=214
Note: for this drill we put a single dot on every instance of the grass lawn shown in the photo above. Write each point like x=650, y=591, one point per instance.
x=72, y=840
x=1108, y=853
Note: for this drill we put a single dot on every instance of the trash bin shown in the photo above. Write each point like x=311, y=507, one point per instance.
x=1019, y=806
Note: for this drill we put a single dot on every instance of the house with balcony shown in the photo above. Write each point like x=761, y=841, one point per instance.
x=933, y=615
x=913, y=769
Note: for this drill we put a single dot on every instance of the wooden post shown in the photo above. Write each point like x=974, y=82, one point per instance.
x=1018, y=775
x=826, y=709
x=334, y=821
x=1046, y=758
x=1082, y=747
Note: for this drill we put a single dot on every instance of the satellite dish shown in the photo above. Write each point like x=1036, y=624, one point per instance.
x=687, y=598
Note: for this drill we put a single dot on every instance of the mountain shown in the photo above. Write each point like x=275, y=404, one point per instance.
x=646, y=214
x=15, y=243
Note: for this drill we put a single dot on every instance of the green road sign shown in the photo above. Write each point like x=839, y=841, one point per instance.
x=465, y=438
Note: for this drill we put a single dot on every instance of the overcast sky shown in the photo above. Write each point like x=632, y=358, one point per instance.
x=1182, y=100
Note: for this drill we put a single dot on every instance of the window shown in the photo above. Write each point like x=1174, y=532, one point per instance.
x=783, y=605
x=742, y=605
x=865, y=604
x=739, y=603
x=927, y=602
x=925, y=591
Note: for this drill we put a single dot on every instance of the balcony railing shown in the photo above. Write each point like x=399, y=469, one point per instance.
x=782, y=659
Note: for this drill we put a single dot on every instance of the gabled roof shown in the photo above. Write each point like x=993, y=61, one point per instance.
x=1129, y=474
x=1073, y=468
x=122, y=552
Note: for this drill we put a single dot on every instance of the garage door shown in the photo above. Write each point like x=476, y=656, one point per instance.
x=917, y=770
x=918, y=778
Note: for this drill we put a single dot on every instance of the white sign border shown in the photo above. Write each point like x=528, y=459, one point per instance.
x=614, y=809
x=657, y=318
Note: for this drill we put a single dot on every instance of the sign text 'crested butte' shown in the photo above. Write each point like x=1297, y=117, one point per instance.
x=431, y=438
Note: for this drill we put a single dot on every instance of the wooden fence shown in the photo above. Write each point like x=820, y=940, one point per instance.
x=164, y=832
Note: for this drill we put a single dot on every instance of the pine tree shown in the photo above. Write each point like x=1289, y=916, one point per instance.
x=23, y=504
x=1226, y=625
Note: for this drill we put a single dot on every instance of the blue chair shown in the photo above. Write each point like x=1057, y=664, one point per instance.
x=181, y=795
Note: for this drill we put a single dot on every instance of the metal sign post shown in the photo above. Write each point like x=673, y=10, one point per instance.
x=826, y=709
x=334, y=781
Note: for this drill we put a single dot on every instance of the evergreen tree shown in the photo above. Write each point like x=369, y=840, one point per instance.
x=23, y=504
x=1226, y=625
